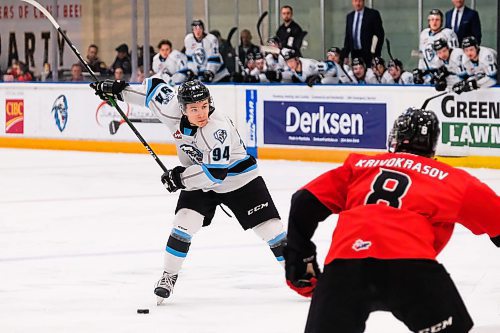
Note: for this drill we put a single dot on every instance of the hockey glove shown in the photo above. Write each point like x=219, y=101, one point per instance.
x=190, y=76
x=237, y=77
x=273, y=76
x=313, y=79
x=301, y=273
x=496, y=240
x=172, y=179
x=418, y=76
x=465, y=86
x=208, y=76
x=109, y=88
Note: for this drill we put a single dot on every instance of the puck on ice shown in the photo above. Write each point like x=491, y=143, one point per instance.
x=142, y=310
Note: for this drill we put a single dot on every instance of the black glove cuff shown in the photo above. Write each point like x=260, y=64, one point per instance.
x=176, y=176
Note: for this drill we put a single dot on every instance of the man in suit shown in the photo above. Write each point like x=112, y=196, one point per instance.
x=463, y=21
x=362, y=25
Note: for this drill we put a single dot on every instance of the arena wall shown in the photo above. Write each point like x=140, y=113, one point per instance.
x=293, y=122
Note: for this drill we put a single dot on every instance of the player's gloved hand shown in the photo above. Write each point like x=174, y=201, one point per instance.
x=208, y=76
x=301, y=273
x=237, y=77
x=251, y=79
x=418, y=76
x=313, y=79
x=295, y=79
x=464, y=86
x=190, y=76
x=440, y=85
x=273, y=76
x=172, y=179
x=109, y=88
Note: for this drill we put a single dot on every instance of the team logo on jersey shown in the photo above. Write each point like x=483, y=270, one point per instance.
x=177, y=135
x=164, y=95
x=220, y=135
x=360, y=245
x=200, y=56
x=193, y=153
x=60, y=110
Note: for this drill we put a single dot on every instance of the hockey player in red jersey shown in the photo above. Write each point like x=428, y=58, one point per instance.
x=396, y=213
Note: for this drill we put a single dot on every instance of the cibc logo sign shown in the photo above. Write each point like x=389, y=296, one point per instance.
x=14, y=116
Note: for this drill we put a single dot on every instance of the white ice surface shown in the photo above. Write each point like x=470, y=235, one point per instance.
x=82, y=237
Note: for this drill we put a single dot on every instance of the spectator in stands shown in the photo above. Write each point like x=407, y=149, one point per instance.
x=246, y=45
x=463, y=21
x=122, y=60
x=46, y=74
x=93, y=60
x=289, y=32
x=18, y=71
x=76, y=73
x=362, y=25
x=119, y=73
x=140, y=75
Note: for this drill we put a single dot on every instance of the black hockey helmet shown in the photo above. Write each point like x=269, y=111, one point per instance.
x=274, y=41
x=191, y=92
x=288, y=54
x=378, y=61
x=334, y=50
x=416, y=131
x=198, y=23
x=439, y=44
x=395, y=63
x=258, y=56
x=470, y=41
x=358, y=61
x=437, y=12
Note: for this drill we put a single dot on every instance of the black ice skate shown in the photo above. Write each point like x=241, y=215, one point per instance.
x=165, y=287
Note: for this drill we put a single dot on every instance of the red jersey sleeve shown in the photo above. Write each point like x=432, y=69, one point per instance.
x=331, y=187
x=480, y=209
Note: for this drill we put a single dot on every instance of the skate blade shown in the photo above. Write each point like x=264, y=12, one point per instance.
x=159, y=300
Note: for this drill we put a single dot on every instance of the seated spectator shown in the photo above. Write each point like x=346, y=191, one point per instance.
x=46, y=74
x=398, y=74
x=122, y=60
x=95, y=64
x=119, y=74
x=246, y=45
x=19, y=72
x=381, y=73
x=362, y=74
x=139, y=76
x=76, y=73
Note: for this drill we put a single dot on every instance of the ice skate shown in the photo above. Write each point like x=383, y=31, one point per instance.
x=165, y=287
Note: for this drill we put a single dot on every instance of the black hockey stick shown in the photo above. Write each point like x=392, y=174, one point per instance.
x=111, y=100
x=341, y=64
x=230, y=36
x=115, y=124
x=259, y=24
x=431, y=98
x=388, y=43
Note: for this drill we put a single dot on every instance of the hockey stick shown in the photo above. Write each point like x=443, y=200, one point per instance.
x=388, y=43
x=111, y=100
x=230, y=35
x=431, y=98
x=341, y=64
x=115, y=124
x=259, y=24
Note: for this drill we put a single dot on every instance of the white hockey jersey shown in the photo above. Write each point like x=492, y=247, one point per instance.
x=204, y=56
x=386, y=78
x=485, y=68
x=456, y=66
x=369, y=78
x=175, y=66
x=427, y=39
x=309, y=67
x=207, y=152
x=405, y=78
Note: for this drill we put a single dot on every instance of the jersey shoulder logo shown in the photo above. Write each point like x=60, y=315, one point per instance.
x=164, y=95
x=177, y=135
x=220, y=135
x=193, y=153
x=360, y=245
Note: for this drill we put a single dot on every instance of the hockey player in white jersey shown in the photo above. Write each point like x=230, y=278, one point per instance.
x=169, y=64
x=361, y=74
x=202, y=52
x=453, y=61
x=481, y=66
x=427, y=38
x=215, y=169
x=381, y=73
x=333, y=73
x=397, y=72
x=275, y=63
x=305, y=70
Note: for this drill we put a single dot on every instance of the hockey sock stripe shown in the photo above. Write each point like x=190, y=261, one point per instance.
x=181, y=235
x=177, y=247
x=277, y=240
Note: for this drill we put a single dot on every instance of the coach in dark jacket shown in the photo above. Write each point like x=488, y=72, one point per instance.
x=361, y=25
x=463, y=21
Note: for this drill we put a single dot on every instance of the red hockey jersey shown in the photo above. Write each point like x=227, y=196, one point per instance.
x=399, y=205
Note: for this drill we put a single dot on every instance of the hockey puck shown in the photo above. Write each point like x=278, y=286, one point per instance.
x=142, y=310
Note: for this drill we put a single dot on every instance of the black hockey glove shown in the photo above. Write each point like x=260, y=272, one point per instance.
x=301, y=273
x=313, y=79
x=465, y=86
x=190, y=75
x=273, y=76
x=418, y=76
x=109, y=88
x=172, y=179
x=237, y=77
x=296, y=79
x=251, y=79
x=208, y=76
